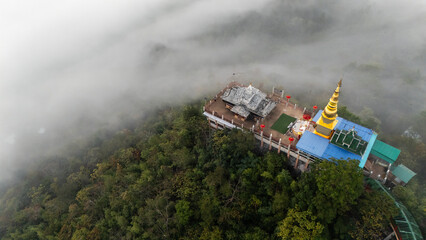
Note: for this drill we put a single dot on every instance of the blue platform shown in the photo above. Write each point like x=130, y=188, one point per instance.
x=321, y=147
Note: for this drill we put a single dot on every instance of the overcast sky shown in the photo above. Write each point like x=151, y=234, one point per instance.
x=72, y=67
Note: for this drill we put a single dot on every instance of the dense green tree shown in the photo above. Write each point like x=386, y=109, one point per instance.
x=346, y=114
x=413, y=196
x=299, y=225
x=175, y=178
x=339, y=184
x=376, y=210
x=330, y=189
x=183, y=212
x=214, y=234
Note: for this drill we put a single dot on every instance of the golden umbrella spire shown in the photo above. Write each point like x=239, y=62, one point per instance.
x=327, y=121
x=330, y=111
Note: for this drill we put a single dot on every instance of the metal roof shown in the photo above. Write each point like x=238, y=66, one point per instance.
x=250, y=98
x=368, y=150
x=220, y=120
x=363, y=132
x=378, y=148
x=349, y=140
x=312, y=144
x=385, y=151
x=343, y=124
x=240, y=110
x=320, y=147
x=336, y=152
x=403, y=173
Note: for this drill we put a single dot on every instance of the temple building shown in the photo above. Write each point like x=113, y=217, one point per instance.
x=244, y=101
x=335, y=137
x=304, y=135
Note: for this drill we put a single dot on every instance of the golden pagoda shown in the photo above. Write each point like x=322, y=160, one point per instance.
x=327, y=121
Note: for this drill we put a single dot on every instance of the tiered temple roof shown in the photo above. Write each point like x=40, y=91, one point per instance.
x=248, y=100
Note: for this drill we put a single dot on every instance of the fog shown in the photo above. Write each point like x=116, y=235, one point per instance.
x=70, y=68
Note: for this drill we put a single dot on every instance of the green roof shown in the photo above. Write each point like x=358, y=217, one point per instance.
x=385, y=151
x=349, y=140
x=403, y=173
x=407, y=227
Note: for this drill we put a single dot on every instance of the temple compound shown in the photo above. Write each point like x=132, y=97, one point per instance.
x=308, y=136
x=304, y=134
x=338, y=138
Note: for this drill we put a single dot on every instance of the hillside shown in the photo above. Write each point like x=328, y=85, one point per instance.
x=174, y=178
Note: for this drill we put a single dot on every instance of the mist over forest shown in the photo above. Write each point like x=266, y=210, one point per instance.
x=68, y=69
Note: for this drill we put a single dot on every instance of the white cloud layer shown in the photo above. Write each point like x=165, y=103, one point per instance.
x=75, y=66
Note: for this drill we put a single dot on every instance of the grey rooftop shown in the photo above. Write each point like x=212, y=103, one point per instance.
x=248, y=99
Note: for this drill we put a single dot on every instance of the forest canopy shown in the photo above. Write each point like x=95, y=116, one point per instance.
x=173, y=177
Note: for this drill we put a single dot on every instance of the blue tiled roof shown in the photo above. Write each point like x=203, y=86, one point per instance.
x=321, y=148
x=363, y=132
x=343, y=124
x=312, y=144
x=317, y=116
x=336, y=152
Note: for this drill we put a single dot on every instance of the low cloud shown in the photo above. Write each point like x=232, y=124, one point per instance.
x=70, y=68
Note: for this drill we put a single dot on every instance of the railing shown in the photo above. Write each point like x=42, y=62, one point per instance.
x=271, y=141
x=257, y=132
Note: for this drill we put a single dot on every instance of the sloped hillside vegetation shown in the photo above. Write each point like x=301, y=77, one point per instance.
x=174, y=178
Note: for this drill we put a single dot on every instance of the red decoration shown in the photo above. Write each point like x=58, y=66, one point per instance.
x=288, y=97
x=262, y=126
x=291, y=139
x=315, y=107
x=306, y=116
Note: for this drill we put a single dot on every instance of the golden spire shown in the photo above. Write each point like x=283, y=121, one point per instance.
x=327, y=121
x=330, y=111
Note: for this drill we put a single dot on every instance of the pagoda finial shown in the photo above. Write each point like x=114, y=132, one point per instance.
x=328, y=121
x=330, y=112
